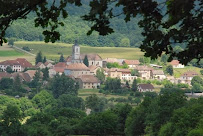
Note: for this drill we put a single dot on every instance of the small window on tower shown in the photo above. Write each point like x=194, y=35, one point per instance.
x=76, y=49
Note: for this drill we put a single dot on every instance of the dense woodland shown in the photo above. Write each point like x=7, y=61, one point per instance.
x=126, y=34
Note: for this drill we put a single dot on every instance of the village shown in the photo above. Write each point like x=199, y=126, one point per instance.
x=86, y=74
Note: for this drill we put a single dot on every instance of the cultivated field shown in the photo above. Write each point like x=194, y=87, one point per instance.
x=8, y=53
x=53, y=50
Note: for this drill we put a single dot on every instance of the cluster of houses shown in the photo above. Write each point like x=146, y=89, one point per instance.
x=86, y=76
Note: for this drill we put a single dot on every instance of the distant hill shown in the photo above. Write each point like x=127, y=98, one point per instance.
x=126, y=34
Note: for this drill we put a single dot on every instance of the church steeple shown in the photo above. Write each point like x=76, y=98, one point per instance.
x=75, y=51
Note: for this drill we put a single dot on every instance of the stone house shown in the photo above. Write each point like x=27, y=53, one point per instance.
x=145, y=72
x=158, y=74
x=59, y=68
x=145, y=88
x=77, y=69
x=131, y=63
x=48, y=65
x=123, y=74
x=40, y=65
x=93, y=69
x=88, y=82
x=186, y=77
x=176, y=64
x=17, y=65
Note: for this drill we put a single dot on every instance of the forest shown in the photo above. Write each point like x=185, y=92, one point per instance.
x=125, y=35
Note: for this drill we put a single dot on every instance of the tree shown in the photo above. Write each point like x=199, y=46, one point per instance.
x=6, y=83
x=201, y=71
x=17, y=85
x=134, y=72
x=177, y=13
x=95, y=103
x=70, y=101
x=9, y=69
x=11, y=41
x=104, y=123
x=43, y=100
x=10, y=124
x=35, y=83
x=169, y=69
x=45, y=59
x=163, y=22
x=38, y=57
x=100, y=75
x=85, y=61
x=164, y=58
x=197, y=80
x=134, y=85
x=45, y=72
x=63, y=85
x=125, y=42
x=61, y=58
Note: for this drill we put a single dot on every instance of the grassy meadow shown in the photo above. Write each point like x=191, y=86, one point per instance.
x=53, y=50
x=179, y=71
x=83, y=93
x=8, y=53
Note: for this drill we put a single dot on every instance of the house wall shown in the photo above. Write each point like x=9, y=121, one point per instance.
x=145, y=74
x=161, y=77
x=95, y=63
x=90, y=85
x=16, y=68
x=127, y=77
x=115, y=74
x=77, y=73
x=52, y=73
x=178, y=66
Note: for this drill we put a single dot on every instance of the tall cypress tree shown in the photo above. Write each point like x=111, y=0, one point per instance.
x=85, y=61
x=134, y=85
x=38, y=57
x=45, y=59
x=45, y=73
x=61, y=58
x=17, y=84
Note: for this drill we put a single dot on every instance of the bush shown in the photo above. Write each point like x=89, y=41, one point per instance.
x=138, y=94
x=26, y=48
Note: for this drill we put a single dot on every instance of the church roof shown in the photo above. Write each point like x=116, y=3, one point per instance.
x=91, y=57
x=77, y=66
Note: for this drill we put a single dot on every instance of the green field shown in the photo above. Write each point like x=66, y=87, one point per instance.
x=53, y=50
x=8, y=53
x=83, y=93
x=179, y=71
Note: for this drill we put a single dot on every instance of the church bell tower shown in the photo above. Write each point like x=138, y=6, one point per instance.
x=76, y=52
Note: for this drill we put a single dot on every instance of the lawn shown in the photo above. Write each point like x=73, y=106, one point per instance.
x=83, y=93
x=53, y=50
x=8, y=53
x=179, y=71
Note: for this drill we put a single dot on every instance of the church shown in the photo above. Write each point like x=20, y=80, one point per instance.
x=76, y=57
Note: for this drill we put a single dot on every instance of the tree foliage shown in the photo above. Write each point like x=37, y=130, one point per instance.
x=38, y=58
x=85, y=61
x=63, y=85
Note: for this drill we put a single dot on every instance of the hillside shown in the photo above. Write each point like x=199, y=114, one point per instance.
x=126, y=34
x=54, y=50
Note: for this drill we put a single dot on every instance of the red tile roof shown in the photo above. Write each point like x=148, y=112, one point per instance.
x=19, y=61
x=77, y=66
x=189, y=74
x=146, y=86
x=174, y=62
x=143, y=68
x=24, y=63
x=60, y=64
x=88, y=79
x=4, y=75
x=132, y=62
